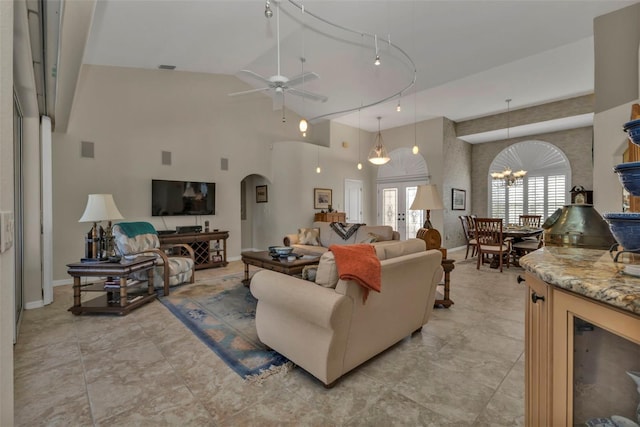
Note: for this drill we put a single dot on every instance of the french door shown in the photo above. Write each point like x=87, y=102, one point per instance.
x=394, y=200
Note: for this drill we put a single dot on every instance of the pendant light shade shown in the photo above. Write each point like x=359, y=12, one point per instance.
x=378, y=154
x=303, y=126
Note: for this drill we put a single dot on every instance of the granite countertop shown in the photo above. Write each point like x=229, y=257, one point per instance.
x=588, y=272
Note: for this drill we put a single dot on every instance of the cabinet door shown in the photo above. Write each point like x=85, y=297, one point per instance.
x=537, y=353
x=613, y=348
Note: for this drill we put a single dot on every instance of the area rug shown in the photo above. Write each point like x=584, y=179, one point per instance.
x=221, y=312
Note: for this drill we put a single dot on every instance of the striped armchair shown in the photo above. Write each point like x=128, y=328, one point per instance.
x=134, y=239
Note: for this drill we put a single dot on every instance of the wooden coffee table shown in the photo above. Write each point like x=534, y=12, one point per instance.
x=264, y=260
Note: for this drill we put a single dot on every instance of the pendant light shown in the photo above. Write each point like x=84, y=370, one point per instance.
x=359, y=131
x=303, y=125
x=318, y=170
x=415, y=149
x=378, y=154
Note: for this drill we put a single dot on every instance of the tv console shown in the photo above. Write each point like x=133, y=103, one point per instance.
x=210, y=248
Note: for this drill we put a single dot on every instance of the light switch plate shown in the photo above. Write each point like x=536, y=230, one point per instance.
x=6, y=230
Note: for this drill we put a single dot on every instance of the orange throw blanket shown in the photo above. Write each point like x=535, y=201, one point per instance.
x=360, y=264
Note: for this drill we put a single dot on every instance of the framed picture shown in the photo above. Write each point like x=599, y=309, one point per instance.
x=458, y=199
x=321, y=198
x=261, y=194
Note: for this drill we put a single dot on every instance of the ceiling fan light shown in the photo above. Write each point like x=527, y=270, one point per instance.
x=303, y=125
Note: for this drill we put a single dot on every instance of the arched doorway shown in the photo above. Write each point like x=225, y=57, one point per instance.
x=397, y=183
x=254, y=196
x=544, y=188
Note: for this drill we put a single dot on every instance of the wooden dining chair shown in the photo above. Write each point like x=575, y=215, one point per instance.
x=469, y=234
x=529, y=244
x=488, y=232
x=532, y=221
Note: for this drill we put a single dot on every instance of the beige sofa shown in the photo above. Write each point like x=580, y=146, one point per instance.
x=327, y=237
x=329, y=331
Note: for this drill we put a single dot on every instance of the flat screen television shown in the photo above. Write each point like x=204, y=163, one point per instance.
x=171, y=198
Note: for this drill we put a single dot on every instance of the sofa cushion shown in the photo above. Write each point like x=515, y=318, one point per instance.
x=371, y=239
x=327, y=274
x=309, y=236
x=382, y=233
x=396, y=248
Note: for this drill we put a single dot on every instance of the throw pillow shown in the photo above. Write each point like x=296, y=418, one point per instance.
x=371, y=239
x=309, y=236
x=309, y=272
x=327, y=274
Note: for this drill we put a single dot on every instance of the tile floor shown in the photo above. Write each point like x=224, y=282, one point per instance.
x=466, y=368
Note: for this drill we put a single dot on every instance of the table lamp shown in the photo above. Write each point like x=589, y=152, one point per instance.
x=99, y=245
x=428, y=198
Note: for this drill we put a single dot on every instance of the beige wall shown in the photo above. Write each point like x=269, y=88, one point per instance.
x=457, y=174
x=6, y=203
x=576, y=144
x=617, y=73
x=616, y=38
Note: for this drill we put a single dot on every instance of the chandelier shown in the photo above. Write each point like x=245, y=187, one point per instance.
x=378, y=154
x=509, y=178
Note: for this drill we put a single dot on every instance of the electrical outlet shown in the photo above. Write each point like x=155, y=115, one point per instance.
x=6, y=230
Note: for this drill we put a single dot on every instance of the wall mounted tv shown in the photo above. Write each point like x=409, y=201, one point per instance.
x=170, y=198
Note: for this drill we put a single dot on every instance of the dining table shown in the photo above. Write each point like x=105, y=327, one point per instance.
x=516, y=233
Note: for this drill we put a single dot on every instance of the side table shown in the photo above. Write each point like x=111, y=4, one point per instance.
x=447, y=266
x=115, y=299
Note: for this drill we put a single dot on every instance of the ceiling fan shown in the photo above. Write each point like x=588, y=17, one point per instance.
x=279, y=83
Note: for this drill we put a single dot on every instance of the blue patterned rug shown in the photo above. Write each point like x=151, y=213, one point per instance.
x=222, y=314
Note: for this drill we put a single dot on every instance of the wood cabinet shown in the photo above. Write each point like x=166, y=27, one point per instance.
x=210, y=248
x=537, y=345
x=331, y=217
x=556, y=324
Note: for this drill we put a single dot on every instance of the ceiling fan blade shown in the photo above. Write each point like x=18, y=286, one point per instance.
x=245, y=92
x=307, y=94
x=299, y=79
x=257, y=76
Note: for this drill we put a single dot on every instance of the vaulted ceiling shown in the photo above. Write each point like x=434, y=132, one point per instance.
x=469, y=56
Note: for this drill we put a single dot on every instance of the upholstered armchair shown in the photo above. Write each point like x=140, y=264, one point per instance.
x=141, y=238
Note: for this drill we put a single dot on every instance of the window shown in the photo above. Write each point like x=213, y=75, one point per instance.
x=542, y=191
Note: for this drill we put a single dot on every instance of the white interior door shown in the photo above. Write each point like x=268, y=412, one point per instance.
x=394, y=200
x=353, y=200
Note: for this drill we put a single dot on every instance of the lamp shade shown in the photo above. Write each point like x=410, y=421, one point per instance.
x=427, y=198
x=100, y=207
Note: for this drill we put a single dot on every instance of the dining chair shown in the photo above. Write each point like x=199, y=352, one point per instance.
x=469, y=234
x=488, y=232
x=532, y=221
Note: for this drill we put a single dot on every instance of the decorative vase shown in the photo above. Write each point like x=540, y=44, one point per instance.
x=635, y=376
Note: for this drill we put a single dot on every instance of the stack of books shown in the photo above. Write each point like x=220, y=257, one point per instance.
x=114, y=283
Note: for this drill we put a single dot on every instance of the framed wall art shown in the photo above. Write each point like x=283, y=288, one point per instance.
x=321, y=198
x=458, y=199
x=261, y=194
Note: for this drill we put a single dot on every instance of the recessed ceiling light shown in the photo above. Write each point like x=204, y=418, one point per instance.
x=166, y=67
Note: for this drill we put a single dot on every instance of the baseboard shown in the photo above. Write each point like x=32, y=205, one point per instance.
x=34, y=304
x=62, y=282
x=459, y=248
x=234, y=258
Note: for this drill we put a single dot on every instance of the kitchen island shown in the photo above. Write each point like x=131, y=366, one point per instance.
x=582, y=321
